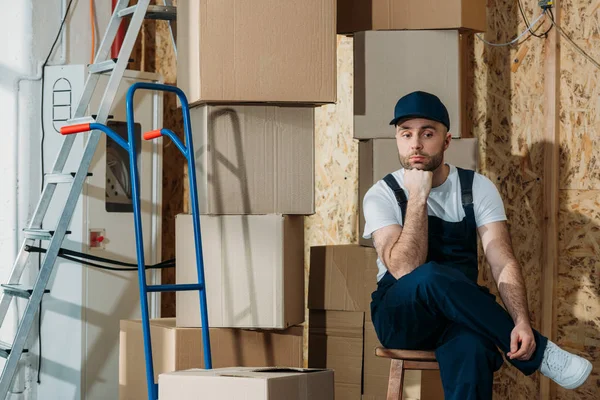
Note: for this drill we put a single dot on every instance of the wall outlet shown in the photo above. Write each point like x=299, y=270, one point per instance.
x=97, y=239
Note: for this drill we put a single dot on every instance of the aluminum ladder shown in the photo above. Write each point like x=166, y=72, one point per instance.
x=115, y=69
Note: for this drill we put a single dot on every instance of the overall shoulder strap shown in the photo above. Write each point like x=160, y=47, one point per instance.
x=466, y=185
x=398, y=193
x=466, y=188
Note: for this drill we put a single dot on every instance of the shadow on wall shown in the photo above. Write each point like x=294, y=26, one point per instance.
x=577, y=300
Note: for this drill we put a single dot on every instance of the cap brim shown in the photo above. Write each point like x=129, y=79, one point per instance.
x=397, y=119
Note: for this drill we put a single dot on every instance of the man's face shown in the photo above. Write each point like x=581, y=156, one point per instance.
x=421, y=143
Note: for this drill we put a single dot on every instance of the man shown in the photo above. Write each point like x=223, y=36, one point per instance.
x=424, y=220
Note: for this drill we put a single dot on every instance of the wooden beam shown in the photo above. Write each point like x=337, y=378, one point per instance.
x=551, y=188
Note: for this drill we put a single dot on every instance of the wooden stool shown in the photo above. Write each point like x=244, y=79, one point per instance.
x=403, y=360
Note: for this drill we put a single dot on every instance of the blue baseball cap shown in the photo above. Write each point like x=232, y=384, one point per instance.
x=421, y=105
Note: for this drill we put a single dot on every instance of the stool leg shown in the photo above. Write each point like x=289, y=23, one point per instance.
x=396, y=380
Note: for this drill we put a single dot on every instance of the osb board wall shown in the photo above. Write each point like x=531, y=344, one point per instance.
x=507, y=109
x=336, y=168
x=507, y=113
x=578, y=289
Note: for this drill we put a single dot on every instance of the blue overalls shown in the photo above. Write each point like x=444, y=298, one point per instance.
x=440, y=306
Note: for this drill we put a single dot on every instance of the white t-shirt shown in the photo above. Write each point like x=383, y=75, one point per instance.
x=381, y=209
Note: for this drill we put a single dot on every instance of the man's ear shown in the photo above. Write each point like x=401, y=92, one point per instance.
x=447, y=140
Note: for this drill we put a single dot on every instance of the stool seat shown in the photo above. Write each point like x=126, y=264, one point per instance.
x=408, y=355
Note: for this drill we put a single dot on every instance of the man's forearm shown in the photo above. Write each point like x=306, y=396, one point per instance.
x=512, y=291
x=410, y=250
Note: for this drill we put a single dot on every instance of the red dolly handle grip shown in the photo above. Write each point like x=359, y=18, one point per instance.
x=70, y=129
x=152, y=134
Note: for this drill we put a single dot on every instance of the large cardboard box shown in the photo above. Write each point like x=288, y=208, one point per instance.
x=366, y=15
x=335, y=342
x=389, y=65
x=254, y=270
x=257, y=51
x=254, y=159
x=379, y=157
x=342, y=278
x=175, y=349
x=247, y=384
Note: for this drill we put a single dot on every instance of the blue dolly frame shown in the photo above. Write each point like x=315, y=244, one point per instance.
x=187, y=150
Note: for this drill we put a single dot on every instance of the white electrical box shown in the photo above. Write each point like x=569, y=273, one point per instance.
x=81, y=314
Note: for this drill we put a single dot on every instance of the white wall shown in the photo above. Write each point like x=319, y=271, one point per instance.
x=30, y=27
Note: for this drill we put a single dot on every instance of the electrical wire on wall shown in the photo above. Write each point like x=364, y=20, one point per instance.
x=62, y=24
x=547, y=11
x=515, y=40
x=533, y=32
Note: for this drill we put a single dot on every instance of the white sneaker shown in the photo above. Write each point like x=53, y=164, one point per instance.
x=566, y=369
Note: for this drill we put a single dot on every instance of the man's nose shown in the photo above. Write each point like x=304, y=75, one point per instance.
x=416, y=143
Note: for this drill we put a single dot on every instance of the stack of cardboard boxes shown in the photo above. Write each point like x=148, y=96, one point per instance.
x=399, y=46
x=253, y=71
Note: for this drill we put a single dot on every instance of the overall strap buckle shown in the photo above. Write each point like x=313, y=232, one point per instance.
x=398, y=193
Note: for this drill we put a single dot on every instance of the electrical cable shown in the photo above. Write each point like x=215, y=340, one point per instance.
x=579, y=49
x=62, y=24
x=91, y=264
x=70, y=254
x=515, y=40
x=533, y=32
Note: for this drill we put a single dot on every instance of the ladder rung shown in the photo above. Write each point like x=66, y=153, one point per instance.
x=5, y=349
x=166, y=13
x=175, y=288
x=19, y=290
x=59, y=178
x=39, y=234
x=62, y=178
x=102, y=67
x=82, y=120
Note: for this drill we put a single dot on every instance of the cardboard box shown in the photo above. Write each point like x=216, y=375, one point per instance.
x=247, y=384
x=389, y=65
x=342, y=278
x=335, y=342
x=379, y=157
x=254, y=159
x=175, y=349
x=257, y=51
x=366, y=15
x=254, y=271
